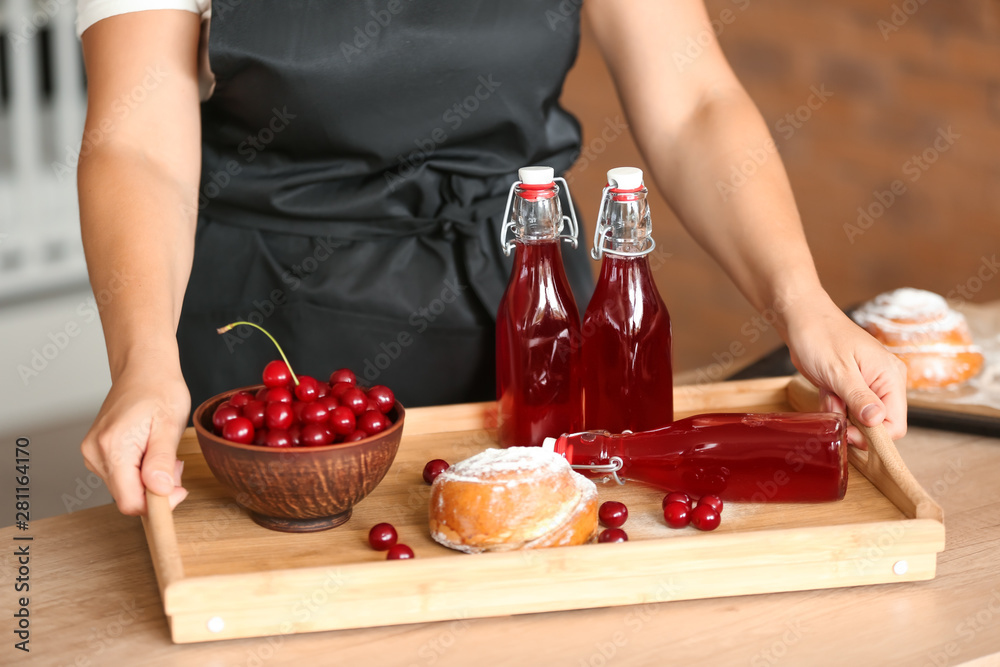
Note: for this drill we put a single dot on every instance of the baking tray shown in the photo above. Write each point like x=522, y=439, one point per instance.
x=222, y=576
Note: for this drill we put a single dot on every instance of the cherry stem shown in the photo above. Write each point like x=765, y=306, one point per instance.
x=233, y=325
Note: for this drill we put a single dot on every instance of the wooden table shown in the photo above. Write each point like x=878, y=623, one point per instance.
x=94, y=601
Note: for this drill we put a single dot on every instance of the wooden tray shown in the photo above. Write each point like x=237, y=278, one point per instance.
x=222, y=576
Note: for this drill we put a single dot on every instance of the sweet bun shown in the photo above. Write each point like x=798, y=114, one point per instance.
x=932, y=339
x=516, y=498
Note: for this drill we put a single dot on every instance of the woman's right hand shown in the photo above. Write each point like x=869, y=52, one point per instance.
x=132, y=444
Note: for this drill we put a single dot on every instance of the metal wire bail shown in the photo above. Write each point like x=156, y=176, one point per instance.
x=574, y=226
x=508, y=223
x=612, y=466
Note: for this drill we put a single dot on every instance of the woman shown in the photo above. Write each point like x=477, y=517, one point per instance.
x=343, y=184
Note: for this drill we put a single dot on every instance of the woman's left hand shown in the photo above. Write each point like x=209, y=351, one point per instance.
x=855, y=374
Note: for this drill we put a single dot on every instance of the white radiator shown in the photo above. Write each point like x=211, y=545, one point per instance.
x=42, y=108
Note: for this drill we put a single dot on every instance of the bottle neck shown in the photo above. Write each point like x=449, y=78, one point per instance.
x=536, y=214
x=624, y=225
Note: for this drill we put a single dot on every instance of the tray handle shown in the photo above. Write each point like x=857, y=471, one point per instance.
x=159, y=526
x=881, y=464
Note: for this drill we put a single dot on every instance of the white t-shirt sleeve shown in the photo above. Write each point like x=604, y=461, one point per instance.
x=89, y=12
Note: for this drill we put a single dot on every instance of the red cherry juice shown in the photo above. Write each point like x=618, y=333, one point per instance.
x=539, y=388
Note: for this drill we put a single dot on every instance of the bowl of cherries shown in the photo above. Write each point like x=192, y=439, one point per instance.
x=297, y=452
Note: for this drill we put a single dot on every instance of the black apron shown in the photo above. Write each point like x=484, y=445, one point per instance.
x=356, y=162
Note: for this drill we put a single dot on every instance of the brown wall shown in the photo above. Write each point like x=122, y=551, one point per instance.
x=890, y=98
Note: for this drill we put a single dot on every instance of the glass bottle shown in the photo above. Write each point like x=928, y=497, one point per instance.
x=628, y=373
x=778, y=457
x=539, y=382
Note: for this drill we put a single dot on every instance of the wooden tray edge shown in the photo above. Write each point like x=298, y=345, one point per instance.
x=881, y=463
x=161, y=535
x=328, y=612
x=786, y=546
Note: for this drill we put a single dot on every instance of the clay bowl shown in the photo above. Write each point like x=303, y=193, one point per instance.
x=297, y=489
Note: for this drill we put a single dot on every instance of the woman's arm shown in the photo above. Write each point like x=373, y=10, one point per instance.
x=694, y=122
x=138, y=183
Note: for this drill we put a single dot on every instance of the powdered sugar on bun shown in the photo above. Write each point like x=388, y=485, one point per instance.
x=910, y=312
x=507, y=466
x=932, y=339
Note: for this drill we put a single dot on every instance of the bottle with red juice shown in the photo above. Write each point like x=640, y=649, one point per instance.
x=539, y=370
x=776, y=457
x=628, y=372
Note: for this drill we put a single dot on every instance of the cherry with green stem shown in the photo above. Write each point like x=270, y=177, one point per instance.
x=233, y=325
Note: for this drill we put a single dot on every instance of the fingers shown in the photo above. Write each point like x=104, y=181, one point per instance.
x=177, y=496
x=830, y=402
x=161, y=471
x=862, y=403
x=891, y=387
x=855, y=437
x=882, y=401
x=115, y=456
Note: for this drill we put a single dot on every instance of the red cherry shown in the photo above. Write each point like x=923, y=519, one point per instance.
x=277, y=395
x=677, y=514
x=383, y=397
x=704, y=517
x=343, y=375
x=222, y=414
x=373, y=422
x=322, y=389
x=260, y=437
x=278, y=415
x=676, y=497
x=315, y=413
x=613, y=535
x=315, y=435
x=355, y=436
x=277, y=437
x=613, y=514
x=342, y=421
x=399, y=552
x=328, y=402
x=254, y=411
x=356, y=400
x=715, y=502
x=433, y=469
x=261, y=394
x=240, y=398
x=298, y=407
x=382, y=536
x=337, y=390
x=276, y=374
x=295, y=435
x=238, y=429
x=306, y=390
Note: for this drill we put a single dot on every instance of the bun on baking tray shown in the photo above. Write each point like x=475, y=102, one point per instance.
x=516, y=498
x=932, y=339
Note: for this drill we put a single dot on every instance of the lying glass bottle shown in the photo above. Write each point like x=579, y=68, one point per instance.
x=775, y=457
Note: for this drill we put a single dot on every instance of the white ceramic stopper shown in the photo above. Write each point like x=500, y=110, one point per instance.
x=536, y=175
x=625, y=178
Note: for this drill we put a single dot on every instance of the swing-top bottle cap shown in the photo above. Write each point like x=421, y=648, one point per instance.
x=625, y=178
x=536, y=175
